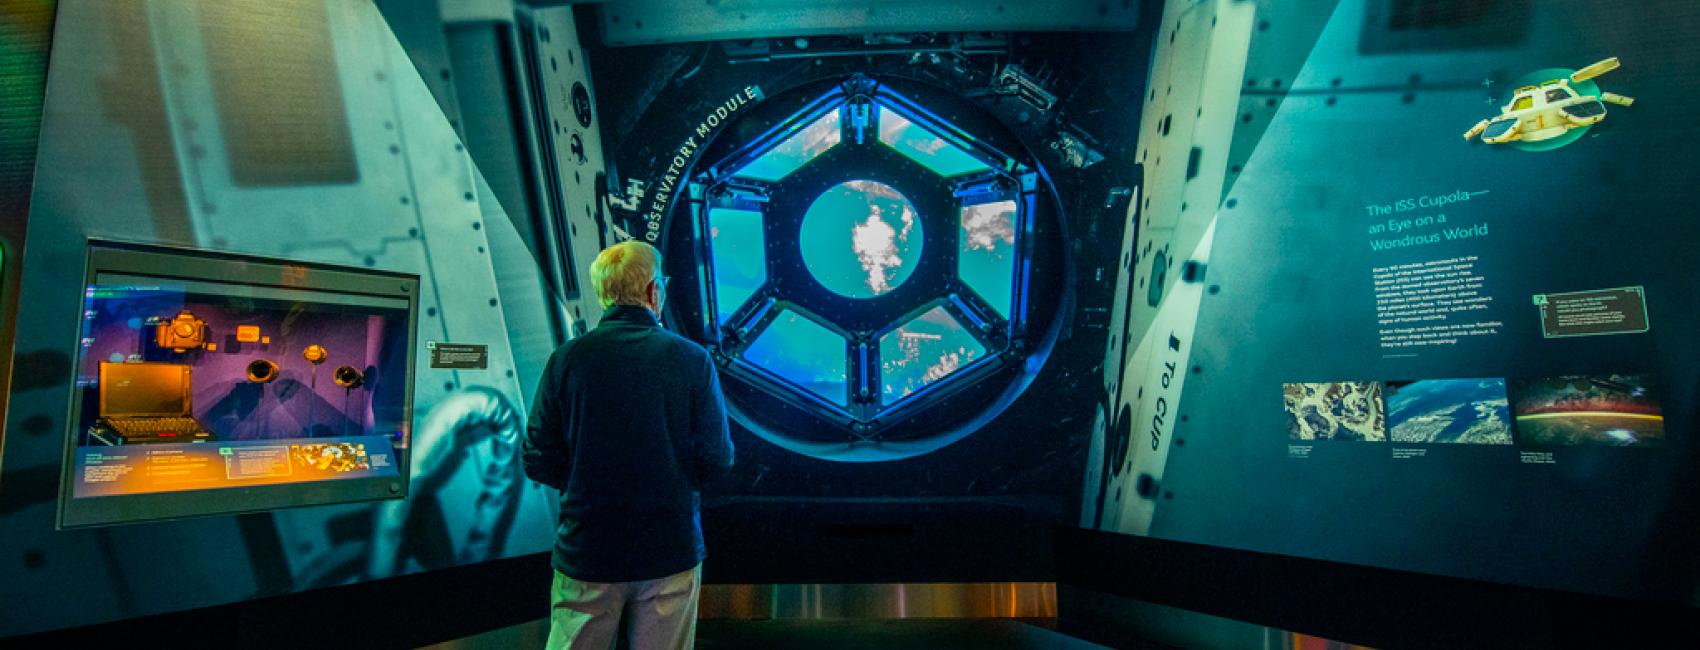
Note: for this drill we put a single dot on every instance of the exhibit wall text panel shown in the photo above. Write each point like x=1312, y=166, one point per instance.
x=1440, y=319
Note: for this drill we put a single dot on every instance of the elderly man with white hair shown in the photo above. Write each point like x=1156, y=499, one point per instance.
x=628, y=423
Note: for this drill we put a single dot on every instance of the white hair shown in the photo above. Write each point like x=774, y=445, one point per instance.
x=621, y=273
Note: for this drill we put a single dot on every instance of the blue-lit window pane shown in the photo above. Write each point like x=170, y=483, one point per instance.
x=926, y=147
x=804, y=353
x=792, y=153
x=861, y=239
x=736, y=247
x=987, y=252
x=924, y=350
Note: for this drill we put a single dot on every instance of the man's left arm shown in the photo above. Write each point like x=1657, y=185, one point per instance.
x=710, y=436
x=544, y=450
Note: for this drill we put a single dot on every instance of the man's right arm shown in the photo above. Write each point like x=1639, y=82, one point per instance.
x=544, y=451
x=713, y=442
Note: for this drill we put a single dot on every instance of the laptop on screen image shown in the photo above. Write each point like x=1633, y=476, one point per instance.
x=148, y=402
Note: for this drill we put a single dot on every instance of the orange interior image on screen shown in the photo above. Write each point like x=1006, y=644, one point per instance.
x=199, y=384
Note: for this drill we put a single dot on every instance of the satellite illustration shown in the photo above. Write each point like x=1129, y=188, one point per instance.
x=1569, y=410
x=1551, y=108
x=1347, y=410
x=1467, y=411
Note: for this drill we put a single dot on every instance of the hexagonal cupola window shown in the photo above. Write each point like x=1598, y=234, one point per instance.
x=866, y=263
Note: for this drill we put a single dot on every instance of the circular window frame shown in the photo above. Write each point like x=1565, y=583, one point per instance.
x=867, y=426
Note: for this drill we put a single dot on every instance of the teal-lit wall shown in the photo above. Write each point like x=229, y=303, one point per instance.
x=299, y=130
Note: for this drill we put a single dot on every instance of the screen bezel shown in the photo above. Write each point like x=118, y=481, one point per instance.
x=187, y=264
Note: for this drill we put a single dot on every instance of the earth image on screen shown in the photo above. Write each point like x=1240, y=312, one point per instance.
x=861, y=239
x=1468, y=411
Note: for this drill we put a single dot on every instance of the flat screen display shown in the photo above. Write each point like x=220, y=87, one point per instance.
x=211, y=384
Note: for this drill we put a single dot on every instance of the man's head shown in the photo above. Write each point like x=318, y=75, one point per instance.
x=628, y=273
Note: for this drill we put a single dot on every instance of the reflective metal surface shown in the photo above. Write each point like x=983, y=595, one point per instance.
x=159, y=124
x=880, y=601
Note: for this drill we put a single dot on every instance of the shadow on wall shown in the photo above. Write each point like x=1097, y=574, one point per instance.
x=131, y=96
x=467, y=499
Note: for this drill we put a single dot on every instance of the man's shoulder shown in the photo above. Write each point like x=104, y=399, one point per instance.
x=566, y=347
x=684, y=345
x=676, y=344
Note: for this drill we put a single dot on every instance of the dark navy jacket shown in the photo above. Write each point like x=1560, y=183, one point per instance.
x=628, y=423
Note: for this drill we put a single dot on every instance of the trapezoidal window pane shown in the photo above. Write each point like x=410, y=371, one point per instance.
x=923, y=351
x=986, y=260
x=737, y=249
x=804, y=353
x=797, y=150
x=925, y=147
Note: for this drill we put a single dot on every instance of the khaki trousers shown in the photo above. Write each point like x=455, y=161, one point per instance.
x=660, y=614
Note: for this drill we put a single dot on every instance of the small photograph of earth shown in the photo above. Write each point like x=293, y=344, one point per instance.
x=1342, y=410
x=1573, y=410
x=1466, y=411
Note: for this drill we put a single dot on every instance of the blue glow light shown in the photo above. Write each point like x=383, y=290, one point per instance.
x=803, y=146
x=861, y=239
x=925, y=350
x=804, y=353
x=926, y=147
x=845, y=236
x=737, y=249
x=987, y=252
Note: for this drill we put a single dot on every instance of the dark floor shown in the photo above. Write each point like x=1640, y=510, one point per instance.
x=894, y=634
x=792, y=634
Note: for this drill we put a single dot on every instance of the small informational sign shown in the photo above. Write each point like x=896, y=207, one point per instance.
x=459, y=356
x=1593, y=313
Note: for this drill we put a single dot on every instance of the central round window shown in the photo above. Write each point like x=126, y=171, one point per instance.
x=861, y=239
